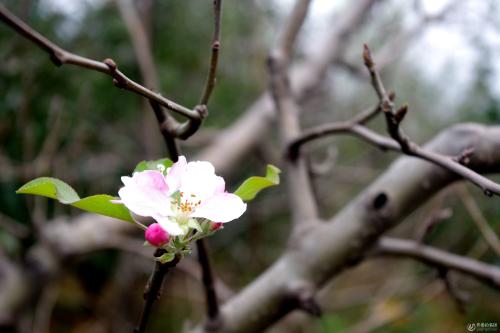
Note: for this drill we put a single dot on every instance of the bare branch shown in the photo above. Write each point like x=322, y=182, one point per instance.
x=153, y=288
x=234, y=142
x=291, y=30
x=327, y=249
x=60, y=57
x=214, y=56
x=427, y=254
x=484, y=228
x=394, y=118
x=214, y=321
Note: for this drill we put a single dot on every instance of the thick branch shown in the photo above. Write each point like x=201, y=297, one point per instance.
x=327, y=249
x=303, y=206
x=302, y=202
x=429, y=255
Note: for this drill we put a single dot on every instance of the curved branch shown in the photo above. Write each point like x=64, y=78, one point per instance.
x=60, y=57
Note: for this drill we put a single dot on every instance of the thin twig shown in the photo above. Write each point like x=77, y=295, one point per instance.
x=207, y=277
x=214, y=56
x=477, y=216
x=408, y=248
x=394, y=117
x=60, y=56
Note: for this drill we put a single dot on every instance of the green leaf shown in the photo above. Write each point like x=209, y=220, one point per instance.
x=153, y=165
x=253, y=185
x=167, y=257
x=57, y=189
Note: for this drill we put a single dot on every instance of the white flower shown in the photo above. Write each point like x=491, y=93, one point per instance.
x=188, y=192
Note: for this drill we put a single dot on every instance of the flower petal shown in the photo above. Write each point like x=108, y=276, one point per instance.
x=199, y=181
x=146, y=194
x=174, y=174
x=223, y=207
x=221, y=185
x=169, y=226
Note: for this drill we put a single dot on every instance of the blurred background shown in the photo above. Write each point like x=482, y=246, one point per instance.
x=441, y=57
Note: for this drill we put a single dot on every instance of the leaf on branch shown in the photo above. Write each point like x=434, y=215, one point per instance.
x=167, y=257
x=57, y=189
x=253, y=185
x=153, y=165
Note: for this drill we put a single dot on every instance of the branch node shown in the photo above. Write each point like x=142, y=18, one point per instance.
x=57, y=58
x=110, y=63
x=401, y=113
x=488, y=193
x=465, y=155
x=391, y=95
x=202, y=111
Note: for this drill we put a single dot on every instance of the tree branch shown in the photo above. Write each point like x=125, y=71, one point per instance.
x=60, y=56
x=214, y=56
x=477, y=216
x=395, y=117
x=233, y=144
x=327, y=249
x=303, y=205
x=438, y=258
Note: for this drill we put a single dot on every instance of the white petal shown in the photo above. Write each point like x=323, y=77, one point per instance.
x=222, y=207
x=199, y=180
x=171, y=227
x=174, y=174
x=221, y=185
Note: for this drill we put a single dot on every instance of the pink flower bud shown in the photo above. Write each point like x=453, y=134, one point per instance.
x=156, y=236
x=217, y=225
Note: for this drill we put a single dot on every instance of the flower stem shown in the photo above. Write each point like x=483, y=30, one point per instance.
x=153, y=288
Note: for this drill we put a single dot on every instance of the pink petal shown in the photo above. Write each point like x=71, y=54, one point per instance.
x=223, y=207
x=146, y=194
x=156, y=236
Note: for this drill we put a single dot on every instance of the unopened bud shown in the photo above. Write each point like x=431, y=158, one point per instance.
x=156, y=236
x=217, y=225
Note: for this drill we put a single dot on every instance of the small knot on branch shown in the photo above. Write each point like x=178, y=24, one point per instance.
x=391, y=95
x=401, y=113
x=310, y=306
x=57, y=58
x=386, y=106
x=302, y=295
x=202, y=111
x=216, y=45
x=111, y=64
x=118, y=80
x=465, y=155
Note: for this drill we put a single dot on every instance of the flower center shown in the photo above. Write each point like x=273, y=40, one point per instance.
x=187, y=205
